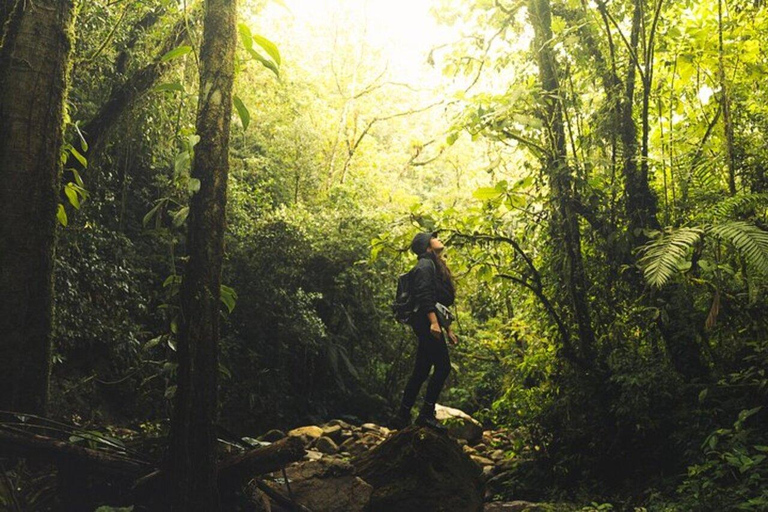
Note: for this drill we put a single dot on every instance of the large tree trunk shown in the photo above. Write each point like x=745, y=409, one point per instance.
x=34, y=61
x=564, y=222
x=192, y=439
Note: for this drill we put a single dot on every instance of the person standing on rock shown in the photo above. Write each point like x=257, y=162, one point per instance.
x=433, y=291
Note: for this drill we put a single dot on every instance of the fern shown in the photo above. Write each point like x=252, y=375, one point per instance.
x=749, y=240
x=662, y=257
x=729, y=207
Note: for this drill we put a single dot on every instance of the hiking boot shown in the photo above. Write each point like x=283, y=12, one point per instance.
x=426, y=418
x=401, y=420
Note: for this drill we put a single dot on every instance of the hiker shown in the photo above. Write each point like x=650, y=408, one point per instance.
x=432, y=291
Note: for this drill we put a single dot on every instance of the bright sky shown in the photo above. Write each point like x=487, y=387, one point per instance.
x=404, y=30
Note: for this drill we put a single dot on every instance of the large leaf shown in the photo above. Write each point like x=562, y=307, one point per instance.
x=242, y=111
x=269, y=47
x=175, y=53
x=749, y=240
x=663, y=256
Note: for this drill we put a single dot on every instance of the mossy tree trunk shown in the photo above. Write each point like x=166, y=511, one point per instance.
x=192, y=441
x=564, y=221
x=34, y=62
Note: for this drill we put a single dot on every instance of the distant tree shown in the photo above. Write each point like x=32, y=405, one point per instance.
x=34, y=62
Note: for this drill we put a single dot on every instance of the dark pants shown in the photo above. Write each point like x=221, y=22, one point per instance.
x=431, y=352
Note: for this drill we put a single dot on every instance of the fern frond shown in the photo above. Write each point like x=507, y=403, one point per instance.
x=749, y=240
x=729, y=207
x=662, y=257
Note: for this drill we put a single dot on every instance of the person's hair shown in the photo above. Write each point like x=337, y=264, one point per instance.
x=445, y=272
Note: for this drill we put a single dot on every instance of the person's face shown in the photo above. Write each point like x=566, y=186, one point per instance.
x=436, y=246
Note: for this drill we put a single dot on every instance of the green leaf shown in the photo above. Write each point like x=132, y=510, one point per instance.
x=193, y=185
x=153, y=211
x=228, y=297
x=487, y=193
x=242, y=111
x=663, y=257
x=245, y=36
x=269, y=47
x=749, y=240
x=265, y=62
x=175, y=53
x=83, y=143
x=180, y=216
x=78, y=156
x=72, y=195
x=61, y=215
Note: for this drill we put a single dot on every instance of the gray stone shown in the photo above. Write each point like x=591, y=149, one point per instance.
x=460, y=424
x=326, y=445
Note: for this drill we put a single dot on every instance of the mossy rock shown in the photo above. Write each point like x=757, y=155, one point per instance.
x=420, y=469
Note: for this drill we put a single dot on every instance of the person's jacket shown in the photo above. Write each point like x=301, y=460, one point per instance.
x=429, y=287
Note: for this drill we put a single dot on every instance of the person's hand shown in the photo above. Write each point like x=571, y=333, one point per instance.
x=453, y=338
x=435, y=331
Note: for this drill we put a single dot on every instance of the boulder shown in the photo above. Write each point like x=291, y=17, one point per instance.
x=307, y=434
x=326, y=445
x=516, y=506
x=421, y=470
x=334, y=432
x=459, y=423
x=327, y=485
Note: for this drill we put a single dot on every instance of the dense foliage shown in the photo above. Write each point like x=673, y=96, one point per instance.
x=599, y=179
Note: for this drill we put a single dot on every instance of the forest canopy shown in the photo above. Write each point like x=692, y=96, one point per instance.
x=207, y=205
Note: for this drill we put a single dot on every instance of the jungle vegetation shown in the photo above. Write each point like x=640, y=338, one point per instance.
x=205, y=206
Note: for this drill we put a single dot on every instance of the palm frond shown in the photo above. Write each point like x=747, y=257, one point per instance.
x=662, y=257
x=749, y=240
x=741, y=203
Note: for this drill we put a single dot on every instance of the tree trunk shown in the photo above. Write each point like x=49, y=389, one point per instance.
x=564, y=222
x=192, y=457
x=725, y=102
x=34, y=62
x=640, y=202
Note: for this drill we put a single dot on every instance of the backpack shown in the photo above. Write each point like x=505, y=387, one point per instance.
x=403, y=306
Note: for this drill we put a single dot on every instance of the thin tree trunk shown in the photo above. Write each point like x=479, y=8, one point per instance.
x=564, y=222
x=192, y=457
x=725, y=102
x=34, y=61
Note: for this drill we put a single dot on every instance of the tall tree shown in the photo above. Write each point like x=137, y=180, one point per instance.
x=564, y=222
x=34, y=62
x=192, y=439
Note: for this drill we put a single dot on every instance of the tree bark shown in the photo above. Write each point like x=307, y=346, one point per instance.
x=564, y=223
x=725, y=102
x=34, y=62
x=192, y=439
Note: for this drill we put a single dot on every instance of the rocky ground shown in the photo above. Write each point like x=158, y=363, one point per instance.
x=365, y=467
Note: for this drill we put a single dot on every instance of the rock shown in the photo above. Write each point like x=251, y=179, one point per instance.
x=334, y=432
x=307, y=433
x=346, y=434
x=370, y=427
x=481, y=461
x=341, y=423
x=498, y=455
x=459, y=423
x=480, y=447
x=327, y=485
x=326, y=445
x=353, y=446
x=488, y=472
x=421, y=470
x=468, y=449
x=313, y=455
x=272, y=436
x=515, y=506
